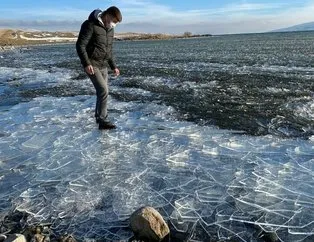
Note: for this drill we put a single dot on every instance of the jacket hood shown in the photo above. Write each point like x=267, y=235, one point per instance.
x=94, y=15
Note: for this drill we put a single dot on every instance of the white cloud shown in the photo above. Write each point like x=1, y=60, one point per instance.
x=252, y=7
x=234, y=18
x=148, y=16
x=236, y=9
x=65, y=13
x=147, y=11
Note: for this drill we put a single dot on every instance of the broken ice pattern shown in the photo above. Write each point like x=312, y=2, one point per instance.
x=56, y=166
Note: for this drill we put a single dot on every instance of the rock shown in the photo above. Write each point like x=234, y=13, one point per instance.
x=67, y=238
x=38, y=230
x=2, y=237
x=15, y=238
x=147, y=224
x=38, y=238
x=13, y=222
x=39, y=233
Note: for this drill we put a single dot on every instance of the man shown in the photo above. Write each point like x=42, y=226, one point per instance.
x=94, y=47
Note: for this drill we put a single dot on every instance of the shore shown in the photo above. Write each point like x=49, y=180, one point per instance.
x=10, y=38
x=148, y=36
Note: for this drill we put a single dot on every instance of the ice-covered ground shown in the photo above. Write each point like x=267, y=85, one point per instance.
x=207, y=180
x=57, y=166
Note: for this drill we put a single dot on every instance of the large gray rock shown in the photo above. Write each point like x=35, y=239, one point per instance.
x=147, y=224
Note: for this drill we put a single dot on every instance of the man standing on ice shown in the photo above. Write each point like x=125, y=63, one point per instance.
x=94, y=47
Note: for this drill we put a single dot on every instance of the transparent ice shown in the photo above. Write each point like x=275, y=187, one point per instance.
x=58, y=167
x=206, y=181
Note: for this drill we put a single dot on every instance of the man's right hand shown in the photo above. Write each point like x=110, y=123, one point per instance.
x=89, y=70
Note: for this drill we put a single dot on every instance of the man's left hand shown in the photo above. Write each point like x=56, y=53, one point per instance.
x=116, y=72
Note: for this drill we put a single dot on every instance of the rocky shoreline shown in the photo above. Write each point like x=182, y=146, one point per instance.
x=13, y=228
x=146, y=224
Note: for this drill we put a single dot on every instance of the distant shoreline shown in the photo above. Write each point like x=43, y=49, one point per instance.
x=10, y=38
x=18, y=38
x=141, y=36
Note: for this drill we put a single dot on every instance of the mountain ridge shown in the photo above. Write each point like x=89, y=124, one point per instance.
x=309, y=26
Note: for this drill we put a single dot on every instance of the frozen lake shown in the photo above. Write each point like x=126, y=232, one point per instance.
x=215, y=133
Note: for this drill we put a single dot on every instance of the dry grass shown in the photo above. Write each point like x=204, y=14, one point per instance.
x=136, y=36
x=10, y=37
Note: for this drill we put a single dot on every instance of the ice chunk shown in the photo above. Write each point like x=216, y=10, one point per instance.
x=206, y=181
x=37, y=141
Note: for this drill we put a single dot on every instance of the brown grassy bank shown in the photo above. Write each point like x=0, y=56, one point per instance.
x=10, y=37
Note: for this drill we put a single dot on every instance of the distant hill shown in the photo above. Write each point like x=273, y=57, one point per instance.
x=9, y=37
x=300, y=27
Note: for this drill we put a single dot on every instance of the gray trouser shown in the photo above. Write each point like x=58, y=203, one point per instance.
x=100, y=82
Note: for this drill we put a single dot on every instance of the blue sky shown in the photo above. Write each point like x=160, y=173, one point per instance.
x=198, y=16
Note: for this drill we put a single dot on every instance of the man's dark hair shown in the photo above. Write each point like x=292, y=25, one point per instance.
x=115, y=12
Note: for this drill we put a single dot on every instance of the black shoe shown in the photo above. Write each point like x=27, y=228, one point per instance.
x=106, y=125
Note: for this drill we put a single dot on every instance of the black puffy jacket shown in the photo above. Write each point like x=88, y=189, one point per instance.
x=94, y=43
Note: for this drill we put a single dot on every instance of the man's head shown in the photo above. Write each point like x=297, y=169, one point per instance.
x=111, y=17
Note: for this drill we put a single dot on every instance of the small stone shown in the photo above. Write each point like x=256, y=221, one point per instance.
x=15, y=238
x=39, y=238
x=47, y=239
x=147, y=224
x=38, y=230
x=2, y=237
x=67, y=238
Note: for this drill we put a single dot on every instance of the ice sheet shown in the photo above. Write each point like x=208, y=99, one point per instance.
x=205, y=181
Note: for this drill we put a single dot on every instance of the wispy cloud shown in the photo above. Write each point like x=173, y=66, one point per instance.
x=149, y=16
x=51, y=25
x=40, y=13
x=243, y=8
x=232, y=18
x=147, y=11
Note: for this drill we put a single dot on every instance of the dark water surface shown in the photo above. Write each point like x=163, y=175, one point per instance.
x=259, y=84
